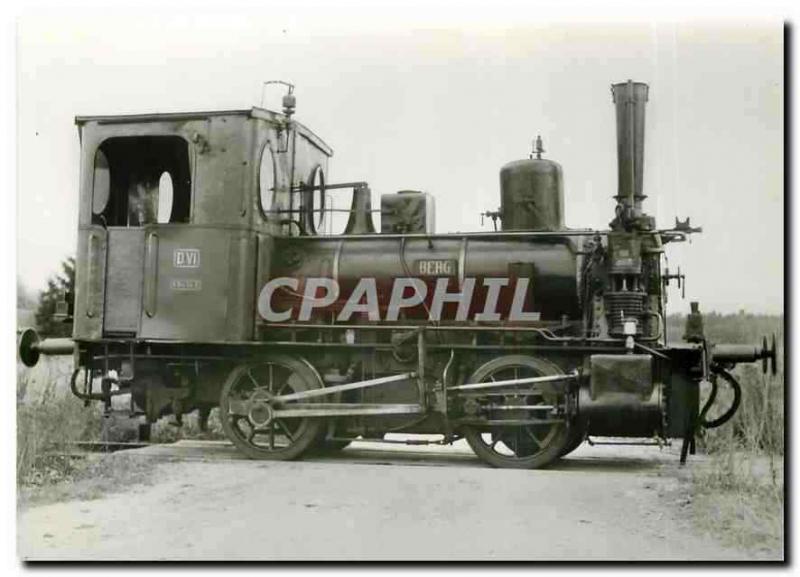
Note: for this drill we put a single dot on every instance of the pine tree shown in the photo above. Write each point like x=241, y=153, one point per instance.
x=59, y=287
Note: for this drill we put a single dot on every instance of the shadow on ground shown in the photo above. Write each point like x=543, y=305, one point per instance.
x=585, y=458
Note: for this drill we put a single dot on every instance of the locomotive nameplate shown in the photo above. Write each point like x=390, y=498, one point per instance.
x=186, y=258
x=436, y=267
x=186, y=284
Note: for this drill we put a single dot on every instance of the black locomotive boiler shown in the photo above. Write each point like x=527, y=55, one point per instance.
x=205, y=279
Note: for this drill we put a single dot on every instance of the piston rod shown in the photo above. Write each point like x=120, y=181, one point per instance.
x=528, y=380
x=346, y=410
x=340, y=388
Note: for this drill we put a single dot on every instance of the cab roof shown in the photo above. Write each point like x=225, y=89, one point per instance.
x=255, y=112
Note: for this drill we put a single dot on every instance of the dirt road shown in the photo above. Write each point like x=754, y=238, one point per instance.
x=373, y=503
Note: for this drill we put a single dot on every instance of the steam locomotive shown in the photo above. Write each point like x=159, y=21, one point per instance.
x=205, y=278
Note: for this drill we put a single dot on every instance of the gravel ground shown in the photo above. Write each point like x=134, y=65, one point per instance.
x=374, y=502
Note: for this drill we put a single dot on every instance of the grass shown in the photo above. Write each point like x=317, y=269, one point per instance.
x=91, y=477
x=739, y=498
x=50, y=419
x=739, y=491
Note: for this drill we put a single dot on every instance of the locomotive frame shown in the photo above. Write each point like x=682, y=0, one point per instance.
x=166, y=312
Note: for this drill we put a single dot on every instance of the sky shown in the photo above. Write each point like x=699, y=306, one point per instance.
x=441, y=107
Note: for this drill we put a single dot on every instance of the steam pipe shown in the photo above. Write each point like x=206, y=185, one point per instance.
x=727, y=415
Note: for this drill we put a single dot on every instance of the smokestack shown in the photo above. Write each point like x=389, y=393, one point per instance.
x=630, y=98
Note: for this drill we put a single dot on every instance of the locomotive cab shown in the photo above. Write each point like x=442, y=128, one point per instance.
x=177, y=212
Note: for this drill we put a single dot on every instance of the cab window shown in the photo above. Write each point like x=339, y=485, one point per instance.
x=267, y=179
x=141, y=180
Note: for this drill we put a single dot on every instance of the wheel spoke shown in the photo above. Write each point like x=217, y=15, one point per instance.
x=272, y=436
x=532, y=436
x=285, y=430
x=252, y=379
x=270, y=377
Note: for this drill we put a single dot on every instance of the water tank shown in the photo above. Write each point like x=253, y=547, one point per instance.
x=532, y=195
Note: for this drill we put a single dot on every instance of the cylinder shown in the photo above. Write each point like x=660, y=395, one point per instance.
x=630, y=99
x=532, y=195
x=621, y=398
x=622, y=306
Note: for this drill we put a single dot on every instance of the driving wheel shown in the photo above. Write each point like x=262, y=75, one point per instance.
x=522, y=429
x=248, y=415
